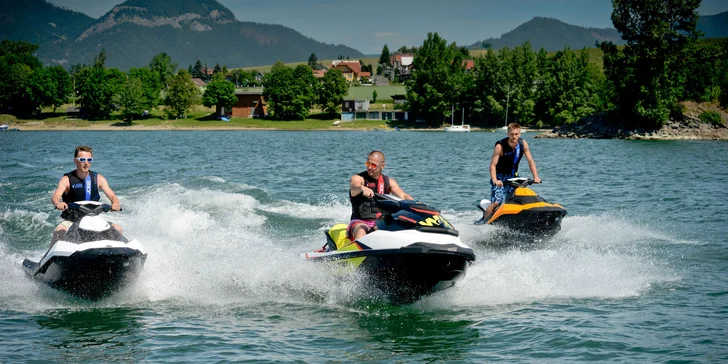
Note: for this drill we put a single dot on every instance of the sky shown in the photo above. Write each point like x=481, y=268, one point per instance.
x=368, y=25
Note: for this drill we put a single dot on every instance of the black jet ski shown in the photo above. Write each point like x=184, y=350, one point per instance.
x=92, y=260
x=414, y=251
x=525, y=212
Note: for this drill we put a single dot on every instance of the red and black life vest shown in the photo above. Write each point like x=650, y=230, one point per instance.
x=363, y=208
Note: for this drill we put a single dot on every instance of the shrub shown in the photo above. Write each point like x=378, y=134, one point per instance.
x=711, y=117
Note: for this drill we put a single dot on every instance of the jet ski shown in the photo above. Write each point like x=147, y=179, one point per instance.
x=525, y=212
x=91, y=260
x=413, y=252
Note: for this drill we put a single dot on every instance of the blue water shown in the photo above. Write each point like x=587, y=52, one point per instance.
x=637, y=274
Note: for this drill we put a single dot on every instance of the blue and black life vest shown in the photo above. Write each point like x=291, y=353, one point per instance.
x=508, y=161
x=81, y=189
x=363, y=208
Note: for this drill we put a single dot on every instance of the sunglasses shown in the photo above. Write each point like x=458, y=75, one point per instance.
x=371, y=165
x=83, y=160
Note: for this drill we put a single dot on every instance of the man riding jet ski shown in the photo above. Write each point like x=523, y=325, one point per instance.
x=412, y=252
x=525, y=212
x=92, y=259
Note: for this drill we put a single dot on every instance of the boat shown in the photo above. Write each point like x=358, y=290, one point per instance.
x=463, y=128
x=525, y=212
x=4, y=127
x=92, y=260
x=413, y=252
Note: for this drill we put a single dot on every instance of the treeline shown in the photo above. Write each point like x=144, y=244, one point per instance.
x=641, y=85
x=291, y=93
x=26, y=86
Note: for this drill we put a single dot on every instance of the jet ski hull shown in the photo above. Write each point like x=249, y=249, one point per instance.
x=542, y=222
x=405, y=275
x=92, y=273
x=527, y=214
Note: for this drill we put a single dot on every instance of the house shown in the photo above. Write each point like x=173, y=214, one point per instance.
x=402, y=64
x=399, y=99
x=401, y=60
x=259, y=76
x=208, y=71
x=250, y=104
x=319, y=73
x=199, y=83
x=351, y=70
x=354, y=105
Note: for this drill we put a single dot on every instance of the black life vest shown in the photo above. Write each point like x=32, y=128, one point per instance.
x=80, y=190
x=508, y=161
x=363, y=208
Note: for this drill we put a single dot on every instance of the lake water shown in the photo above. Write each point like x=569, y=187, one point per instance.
x=637, y=274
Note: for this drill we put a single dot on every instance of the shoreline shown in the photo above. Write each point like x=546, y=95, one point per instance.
x=110, y=126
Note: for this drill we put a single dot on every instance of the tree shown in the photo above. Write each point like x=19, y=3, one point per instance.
x=430, y=92
x=332, y=91
x=163, y=66
x=384, y=61
x=374, y=96
x=17, y=66
x=197, y=71
x=313, y=61
x=289, y=92
x=384, y=58
x=657, y=32
x=219, y=93
x=217, y=69
x=181, y=95
x=151, y=86
x=131, y=99
x=96, y=87
x=51, y=86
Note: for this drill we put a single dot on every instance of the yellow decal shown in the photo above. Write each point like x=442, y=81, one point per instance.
x=435, y=220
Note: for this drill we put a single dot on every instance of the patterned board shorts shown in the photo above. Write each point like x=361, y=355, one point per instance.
x=350, y=230
x=498, y=194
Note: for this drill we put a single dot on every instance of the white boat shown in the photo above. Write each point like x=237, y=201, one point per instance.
x=458, y=128
x=462, y=128
x=4, y=127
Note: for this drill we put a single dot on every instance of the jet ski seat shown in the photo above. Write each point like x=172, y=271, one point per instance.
x=336, y=237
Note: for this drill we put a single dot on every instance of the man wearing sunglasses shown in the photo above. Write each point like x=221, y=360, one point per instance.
x=81, y=184
x=362, y=188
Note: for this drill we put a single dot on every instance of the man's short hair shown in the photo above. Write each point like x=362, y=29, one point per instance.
x=376, y=151
x=512, y=126
x=82, y=148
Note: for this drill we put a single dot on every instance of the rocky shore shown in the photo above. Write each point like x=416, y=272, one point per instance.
x=689, y=128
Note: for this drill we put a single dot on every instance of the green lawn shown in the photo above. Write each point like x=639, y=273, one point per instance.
x=384, y=93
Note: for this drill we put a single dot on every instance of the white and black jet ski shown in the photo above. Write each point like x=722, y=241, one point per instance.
x=92, y=260
x=414, y=251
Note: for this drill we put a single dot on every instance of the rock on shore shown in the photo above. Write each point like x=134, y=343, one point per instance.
x=690, y=128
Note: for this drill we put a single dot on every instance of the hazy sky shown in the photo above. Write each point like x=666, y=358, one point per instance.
x=368, y=25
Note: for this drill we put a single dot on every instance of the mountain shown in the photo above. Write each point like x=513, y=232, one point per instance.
x=714, y=26
x=188, y=30
x=40, y=22
x=553, y=35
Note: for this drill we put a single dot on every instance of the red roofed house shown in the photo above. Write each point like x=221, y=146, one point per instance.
x=350, y=69
x=319, y=73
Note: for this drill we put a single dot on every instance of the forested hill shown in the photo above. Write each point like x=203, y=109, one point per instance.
x=714, y=26
x=134, y=31
x=554, y=35
x=40, y=22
